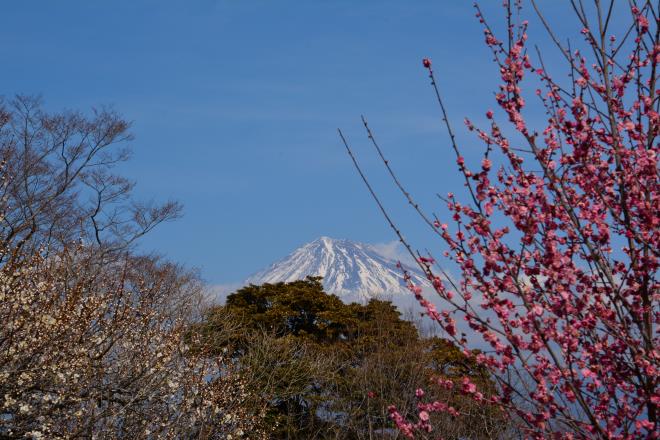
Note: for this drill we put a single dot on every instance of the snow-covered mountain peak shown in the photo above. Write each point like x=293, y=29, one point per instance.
x=351, y=270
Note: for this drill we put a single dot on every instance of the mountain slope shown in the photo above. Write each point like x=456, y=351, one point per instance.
x=353, y=271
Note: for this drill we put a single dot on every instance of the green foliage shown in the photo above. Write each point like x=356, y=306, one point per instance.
x=329, y=370
x=300, y=308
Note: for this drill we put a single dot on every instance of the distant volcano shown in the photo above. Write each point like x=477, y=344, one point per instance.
x=353, y=271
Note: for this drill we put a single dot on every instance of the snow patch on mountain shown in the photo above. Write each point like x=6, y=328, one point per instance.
x=353, y=271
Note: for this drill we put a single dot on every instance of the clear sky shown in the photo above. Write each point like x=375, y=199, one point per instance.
x=235, y=106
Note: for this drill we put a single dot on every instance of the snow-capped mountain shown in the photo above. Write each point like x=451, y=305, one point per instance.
x=353, y=271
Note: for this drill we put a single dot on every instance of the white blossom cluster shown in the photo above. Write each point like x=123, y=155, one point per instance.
x=101, y=352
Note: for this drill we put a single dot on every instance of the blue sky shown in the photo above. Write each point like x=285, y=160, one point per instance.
x=235, y=106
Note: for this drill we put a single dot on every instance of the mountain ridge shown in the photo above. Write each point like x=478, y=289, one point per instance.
x=353, y=271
